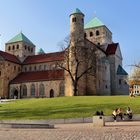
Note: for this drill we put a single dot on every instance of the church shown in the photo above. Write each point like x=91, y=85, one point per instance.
x=25, y=74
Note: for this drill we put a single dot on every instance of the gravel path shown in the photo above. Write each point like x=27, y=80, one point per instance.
x=84, y=131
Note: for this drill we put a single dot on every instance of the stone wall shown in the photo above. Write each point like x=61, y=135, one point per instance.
x=104, y=37
x=20, y=49
x=55, y=86
x=8, y=71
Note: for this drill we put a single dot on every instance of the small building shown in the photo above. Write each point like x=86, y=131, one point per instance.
x=134, y=87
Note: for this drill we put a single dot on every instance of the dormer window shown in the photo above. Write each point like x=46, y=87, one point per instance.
x=74, y=19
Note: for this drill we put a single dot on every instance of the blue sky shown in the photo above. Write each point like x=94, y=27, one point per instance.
x=46, y=22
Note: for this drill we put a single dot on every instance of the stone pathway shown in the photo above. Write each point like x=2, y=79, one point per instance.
x=83, y=131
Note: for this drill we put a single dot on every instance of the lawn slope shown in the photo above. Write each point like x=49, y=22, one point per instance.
x=66, y=107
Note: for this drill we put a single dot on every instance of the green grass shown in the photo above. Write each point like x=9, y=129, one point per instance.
x=66, y=107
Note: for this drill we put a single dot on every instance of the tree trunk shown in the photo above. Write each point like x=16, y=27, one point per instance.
x=75, y=88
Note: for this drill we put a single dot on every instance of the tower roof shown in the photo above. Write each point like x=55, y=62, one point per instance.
x=95, y=22
x=121, y=71
x=77, y=11
x=41, y=51
x=20, y=37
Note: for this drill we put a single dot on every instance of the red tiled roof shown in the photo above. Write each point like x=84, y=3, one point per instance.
x=111, y=49
x=57, y=56
x=9, y=57
x=39, y=76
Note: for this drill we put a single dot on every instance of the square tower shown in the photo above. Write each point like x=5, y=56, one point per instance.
x=20, y=46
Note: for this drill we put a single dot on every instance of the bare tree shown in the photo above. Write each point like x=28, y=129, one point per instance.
x=79, y=61
x=64, y=43
x=135, y=75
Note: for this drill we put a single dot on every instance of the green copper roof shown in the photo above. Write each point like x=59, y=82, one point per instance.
x=20, y=37
x=121, y=71
x=41, y=51
x=95, y=22
x=77, y=11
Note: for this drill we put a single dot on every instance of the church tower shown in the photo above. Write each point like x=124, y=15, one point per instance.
x=98, y=33
x=76, y=53
x=77, y=27
x=20, y=46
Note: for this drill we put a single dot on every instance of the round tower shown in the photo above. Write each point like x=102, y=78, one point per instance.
x=77, y=27
x=75, y=58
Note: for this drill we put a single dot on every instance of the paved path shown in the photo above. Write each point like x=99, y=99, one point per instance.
x=84, y=131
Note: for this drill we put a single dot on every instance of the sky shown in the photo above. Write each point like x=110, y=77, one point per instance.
x=46, y=22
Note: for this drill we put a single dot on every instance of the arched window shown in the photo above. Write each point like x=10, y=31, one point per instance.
x=13, y=47
x=9, y=48
x=28, y=48
x=82, y=20
x=51, y=93
x=30, y=68
x=25, y=69
x=24, y=90
x=97, y=33
x=33, y=90
x=25, y=47
x=120, y=81
x=40, y=67
x=41, y=90
x=85, y=35
x=31, y=49
x=74, y=19
x=17, y=46
x=91, y=34
x=45, y=67
x=61, y=88
x=35, y=68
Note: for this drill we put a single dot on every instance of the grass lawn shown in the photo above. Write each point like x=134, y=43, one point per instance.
x=66, y=107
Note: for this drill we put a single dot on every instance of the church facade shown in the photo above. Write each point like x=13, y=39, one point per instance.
x=23, y=74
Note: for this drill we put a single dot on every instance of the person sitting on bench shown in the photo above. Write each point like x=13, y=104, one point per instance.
x=129, y=113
